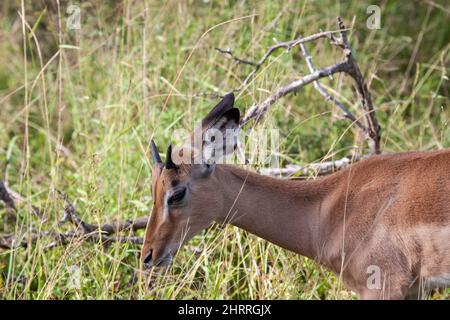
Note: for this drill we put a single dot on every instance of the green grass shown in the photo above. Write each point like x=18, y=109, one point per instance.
x=82, y=124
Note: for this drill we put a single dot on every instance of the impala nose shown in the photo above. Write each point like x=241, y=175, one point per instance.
x=148, y=258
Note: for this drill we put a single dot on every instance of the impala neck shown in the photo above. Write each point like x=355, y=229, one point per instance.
x=285, y=212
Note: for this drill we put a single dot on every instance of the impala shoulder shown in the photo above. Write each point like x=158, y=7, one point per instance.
x=404, y=162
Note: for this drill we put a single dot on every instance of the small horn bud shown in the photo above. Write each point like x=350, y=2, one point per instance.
x=169, y=162
x=155, y=153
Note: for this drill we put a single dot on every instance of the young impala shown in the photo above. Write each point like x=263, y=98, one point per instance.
x=387, y=216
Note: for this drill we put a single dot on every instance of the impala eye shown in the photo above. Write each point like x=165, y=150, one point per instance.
x=177, y=196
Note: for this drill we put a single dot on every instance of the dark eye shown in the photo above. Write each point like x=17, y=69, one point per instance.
x=177, y=196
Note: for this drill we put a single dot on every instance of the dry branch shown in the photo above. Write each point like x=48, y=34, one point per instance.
x=11, y=198
x=286, y=45
x=6, y=197
x=70, y=215
x=105, y=234
x=62, y=238
x=363, y=91
x=326, y=94
x=349, y=66
x=257, y=111
x=321, y=168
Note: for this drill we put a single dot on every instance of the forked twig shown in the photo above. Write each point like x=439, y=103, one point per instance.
x=280, y=45
x=326, y=94
x=371, y=128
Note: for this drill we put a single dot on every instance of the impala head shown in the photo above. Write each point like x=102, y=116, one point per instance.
x=185, y=196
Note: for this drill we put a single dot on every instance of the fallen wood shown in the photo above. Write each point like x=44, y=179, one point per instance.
x=105, y=234
x=316, y=169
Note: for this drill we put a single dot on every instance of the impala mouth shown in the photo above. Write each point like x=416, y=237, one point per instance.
x=162, y=262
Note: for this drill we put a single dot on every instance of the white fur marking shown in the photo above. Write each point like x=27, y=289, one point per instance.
x=166, y=207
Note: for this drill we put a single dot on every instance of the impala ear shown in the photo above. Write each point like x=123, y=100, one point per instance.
x=215, y=137
x=220, y=139
x=216, y=113
x=219, y=131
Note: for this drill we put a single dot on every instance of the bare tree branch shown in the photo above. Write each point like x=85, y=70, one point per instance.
x=105, y=234
x=70, y=215
x=364, y=94
x=6, y=198
x=62, y=238
x=9, y=196
x=321, y=168
x=326, y=94
x=286, y=45
x=238, y=60
x=257, y=111
x=349, y=66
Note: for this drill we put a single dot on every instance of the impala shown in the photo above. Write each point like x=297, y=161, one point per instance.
x=387, y=216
